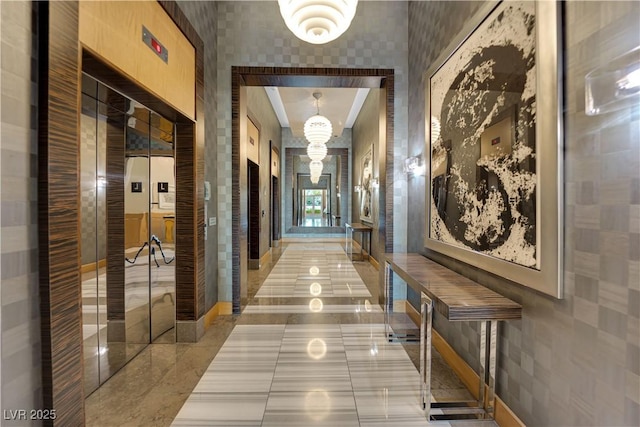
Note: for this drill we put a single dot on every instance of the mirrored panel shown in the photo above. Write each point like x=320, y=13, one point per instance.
x=127, y=229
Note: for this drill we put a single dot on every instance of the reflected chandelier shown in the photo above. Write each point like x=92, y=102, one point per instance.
x=317, y=129
x=318, y=21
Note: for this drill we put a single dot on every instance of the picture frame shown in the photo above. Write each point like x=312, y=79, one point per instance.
x=493, y=134
x=366, y=186
x=167, y=201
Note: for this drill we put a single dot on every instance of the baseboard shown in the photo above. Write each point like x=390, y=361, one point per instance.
x=503, y=416
x=219, y=309
x=400, y=306
x=189, y=330
x=412, y=313
x=374, y=262
x=265, y=257
x=86, y=268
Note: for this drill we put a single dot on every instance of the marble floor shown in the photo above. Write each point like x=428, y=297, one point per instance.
x=308, y=349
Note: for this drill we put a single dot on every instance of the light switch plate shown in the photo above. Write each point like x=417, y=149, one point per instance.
x=213, y=221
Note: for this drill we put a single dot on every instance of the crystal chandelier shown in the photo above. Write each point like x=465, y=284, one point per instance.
x=317, y=151
x=317, y=129
x=318, y=21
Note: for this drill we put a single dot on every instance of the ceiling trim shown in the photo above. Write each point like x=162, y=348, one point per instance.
x=361, y=96
x=278, y=107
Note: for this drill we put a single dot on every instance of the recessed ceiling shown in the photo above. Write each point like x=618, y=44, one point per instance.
x=294, y=105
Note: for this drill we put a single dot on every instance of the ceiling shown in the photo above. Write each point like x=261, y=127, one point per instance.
x=294, y=105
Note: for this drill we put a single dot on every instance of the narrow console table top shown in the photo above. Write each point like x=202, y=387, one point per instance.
x=454, y=296
x=358, y=226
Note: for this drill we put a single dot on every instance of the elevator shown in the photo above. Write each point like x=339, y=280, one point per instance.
x=127, y=222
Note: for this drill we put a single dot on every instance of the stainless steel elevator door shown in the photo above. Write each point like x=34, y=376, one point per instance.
x=150, y=207
x=127, y=222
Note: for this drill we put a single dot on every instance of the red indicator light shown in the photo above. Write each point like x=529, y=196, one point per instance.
x=156, y=46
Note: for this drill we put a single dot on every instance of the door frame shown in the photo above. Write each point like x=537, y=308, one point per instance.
x=244, y=76
x=253, y=206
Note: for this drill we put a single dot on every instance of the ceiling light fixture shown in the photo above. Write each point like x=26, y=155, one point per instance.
x=315, y=168
x=317, y=151
x=318, y=21
x=317, y=129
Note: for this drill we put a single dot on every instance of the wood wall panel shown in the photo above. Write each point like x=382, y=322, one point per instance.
x=59, y=212
x=236, y=82
x=114, y=33
x=386, y=159
x=186, y=275
x=115, y=170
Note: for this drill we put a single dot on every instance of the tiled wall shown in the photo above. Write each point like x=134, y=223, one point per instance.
x=366, y=133
x=253, y=34
x=20, y=347
x=270, y=130
x=574, y=361
x=202, y=15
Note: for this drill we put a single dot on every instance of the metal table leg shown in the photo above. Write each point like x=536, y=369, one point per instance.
x=388, y=302
x=426, y=313
x=488, y=349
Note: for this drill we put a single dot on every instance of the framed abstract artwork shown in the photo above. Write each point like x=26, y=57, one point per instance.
x=494, y=138
x=366, y=185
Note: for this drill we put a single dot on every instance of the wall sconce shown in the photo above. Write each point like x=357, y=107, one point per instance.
x=357, y=188
x=615, y=85
x=413, y=165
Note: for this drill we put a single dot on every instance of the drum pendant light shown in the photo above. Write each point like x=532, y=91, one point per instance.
x=318, y=21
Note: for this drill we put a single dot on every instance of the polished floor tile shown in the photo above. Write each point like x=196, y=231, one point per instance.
x=309, y=349
x=315, y=373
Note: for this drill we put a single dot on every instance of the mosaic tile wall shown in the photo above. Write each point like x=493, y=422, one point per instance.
x=574, y=361
x=20, y=322
x=260, y=106
x=202, y=15
x=290, y=141
x=253, y=34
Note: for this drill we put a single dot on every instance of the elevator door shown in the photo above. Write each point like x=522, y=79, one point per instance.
x=149, y=227
x=127, y=218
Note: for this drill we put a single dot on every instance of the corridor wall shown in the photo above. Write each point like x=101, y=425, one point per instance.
x=574, y=361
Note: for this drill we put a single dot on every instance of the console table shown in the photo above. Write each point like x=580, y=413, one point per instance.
x=364, y=230
x=457, y=298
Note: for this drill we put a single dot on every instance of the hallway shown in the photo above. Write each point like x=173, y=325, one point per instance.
x=309, y=349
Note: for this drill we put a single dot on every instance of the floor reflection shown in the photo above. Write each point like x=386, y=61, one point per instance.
x=264, y=367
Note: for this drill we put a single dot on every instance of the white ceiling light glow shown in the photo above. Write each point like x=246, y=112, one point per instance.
x=315, y=167
x=317, y=129
x=318, y=21
x=317, y=151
